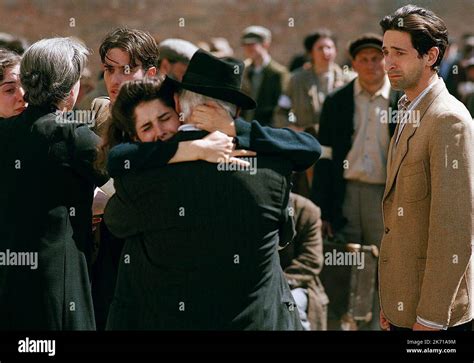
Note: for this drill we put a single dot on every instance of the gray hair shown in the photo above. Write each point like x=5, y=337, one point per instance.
x=50, y=68
x=188, y=100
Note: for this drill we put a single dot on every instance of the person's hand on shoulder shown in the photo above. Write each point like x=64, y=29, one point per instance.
x=213, y=117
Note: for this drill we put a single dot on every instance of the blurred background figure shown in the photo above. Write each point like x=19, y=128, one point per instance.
x=220, y=47
x=99, y=91
x=11, y=92
x=450, y=58
x=174, y=57
x=302, y=100
x=302, y=261
x=466, y=88
x=13, y=43
x=300, y=105
x=456, y=73
x=264, y=78
x=87, y=85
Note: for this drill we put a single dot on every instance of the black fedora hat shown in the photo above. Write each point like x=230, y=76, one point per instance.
x=219, y=78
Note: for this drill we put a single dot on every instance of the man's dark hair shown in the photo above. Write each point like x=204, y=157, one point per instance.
x=426, y=29
x=314, y=37
x=140, y=46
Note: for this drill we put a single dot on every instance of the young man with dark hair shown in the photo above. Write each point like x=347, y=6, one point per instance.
x=425, y=268
x=126, y=54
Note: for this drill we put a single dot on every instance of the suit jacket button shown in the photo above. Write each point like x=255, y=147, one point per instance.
x=387, y=230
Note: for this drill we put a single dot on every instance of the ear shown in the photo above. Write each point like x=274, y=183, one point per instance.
x=432, y=54
x=237, y=112
x=352, y=63
x=165, y=66
x=176, y=104
x=151, y=72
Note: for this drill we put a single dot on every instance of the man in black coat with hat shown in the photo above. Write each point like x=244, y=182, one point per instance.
x=202, y=240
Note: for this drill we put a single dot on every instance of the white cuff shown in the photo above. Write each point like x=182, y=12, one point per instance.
x=284, y=102
x=326, y=152
x=430, y=324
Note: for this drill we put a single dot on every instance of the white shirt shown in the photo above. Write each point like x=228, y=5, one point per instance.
x=367, y=159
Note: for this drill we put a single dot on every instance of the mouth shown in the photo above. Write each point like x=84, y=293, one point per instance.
x=394, y=76
x=20, y=109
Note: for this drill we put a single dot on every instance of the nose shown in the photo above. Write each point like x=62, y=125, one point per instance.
x=116, y=79
x=158, y=133
x=388, y=64
x=20, y=95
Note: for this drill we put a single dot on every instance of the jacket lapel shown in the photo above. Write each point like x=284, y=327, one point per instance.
x=401, y=149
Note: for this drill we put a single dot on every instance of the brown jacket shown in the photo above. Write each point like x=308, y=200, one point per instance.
x=101, y=106
x=425, y=264
x=302, y=260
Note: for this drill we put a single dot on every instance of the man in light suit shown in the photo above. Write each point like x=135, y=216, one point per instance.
x=425, y=263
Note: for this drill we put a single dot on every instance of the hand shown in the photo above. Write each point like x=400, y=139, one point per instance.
x=384, y=324
x=212, y=117
x=217, y=147
x=418, y=326
x=327, y=230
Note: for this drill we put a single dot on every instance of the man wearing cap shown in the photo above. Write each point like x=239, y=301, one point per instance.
x=264, y=78
x=355, y=133
x=202, y=239
x=174, y=57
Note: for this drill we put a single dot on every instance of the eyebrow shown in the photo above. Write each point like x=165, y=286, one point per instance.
x=7, y=82
x=145, y=124
x=396, y=48
x=164, y=114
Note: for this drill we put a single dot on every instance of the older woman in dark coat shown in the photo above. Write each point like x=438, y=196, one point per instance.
x=46, y=193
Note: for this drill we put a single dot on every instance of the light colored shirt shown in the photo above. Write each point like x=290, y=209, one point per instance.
x=407, y=107
x=188, y=127
x=367, y=159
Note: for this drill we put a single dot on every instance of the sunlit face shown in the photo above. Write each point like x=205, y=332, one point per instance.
x=323, y=52
x=402, y=61
x=117, y=70
x=155, y=121
x=369, y=65
x=253, y=50
x=11, y=93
